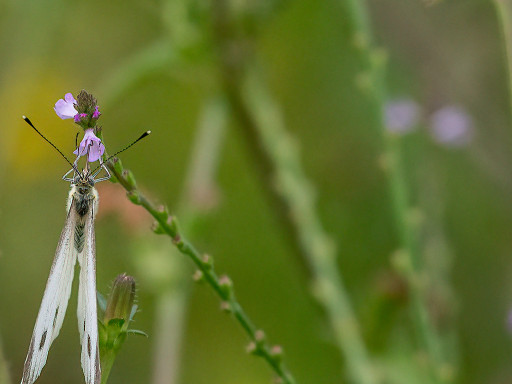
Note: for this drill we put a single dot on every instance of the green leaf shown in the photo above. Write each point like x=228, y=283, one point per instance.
x=137, y=332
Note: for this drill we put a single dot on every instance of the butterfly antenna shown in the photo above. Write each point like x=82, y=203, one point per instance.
x=147, y=133
x=49, y=142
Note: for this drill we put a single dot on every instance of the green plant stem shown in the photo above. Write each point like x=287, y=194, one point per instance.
x=167, y=225
x=504, y=15
x=107, y=361
x=371, y=82
x=170, y=314
x=408, y=259
x=298, y=193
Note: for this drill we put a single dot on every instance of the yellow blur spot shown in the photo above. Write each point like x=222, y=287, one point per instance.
x=22, y=150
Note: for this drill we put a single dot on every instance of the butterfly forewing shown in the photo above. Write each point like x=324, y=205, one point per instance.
x=54, y=303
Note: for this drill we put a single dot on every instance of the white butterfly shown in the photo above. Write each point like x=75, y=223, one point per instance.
x=76, y=241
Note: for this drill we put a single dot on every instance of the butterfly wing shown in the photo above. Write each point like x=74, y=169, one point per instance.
x=54, y=303
x=87, y=312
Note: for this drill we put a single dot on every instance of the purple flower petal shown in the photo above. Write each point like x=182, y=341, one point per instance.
x=65, y=108
x=68, y=97
x=96, y=151
x=90, y=145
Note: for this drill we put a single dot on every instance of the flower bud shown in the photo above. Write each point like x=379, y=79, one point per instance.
x=130, y=178
x=277, y=352
x=226, y=286
x=134, y=197
x=87, y=110
x=120, y=302
x=85, y=103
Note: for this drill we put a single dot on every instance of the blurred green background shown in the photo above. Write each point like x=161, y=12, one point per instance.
x=154, y=65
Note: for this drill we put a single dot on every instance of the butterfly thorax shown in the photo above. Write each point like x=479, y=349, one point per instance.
x=83, y=194
x=83, y=198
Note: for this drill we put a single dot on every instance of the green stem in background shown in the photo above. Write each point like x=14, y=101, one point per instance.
x=298, y=193
x=408, y=259
x=223, y=286
x=275, y=149
x=170, y=309
x=504, y=14
x=155, y=57
x=198, y=197
x=439, y=256
x=372, y=82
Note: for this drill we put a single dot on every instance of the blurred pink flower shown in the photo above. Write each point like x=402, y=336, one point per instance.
x=401, y=115
x=451, y=126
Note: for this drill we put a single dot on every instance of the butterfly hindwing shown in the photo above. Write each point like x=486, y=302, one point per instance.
x=87, y=311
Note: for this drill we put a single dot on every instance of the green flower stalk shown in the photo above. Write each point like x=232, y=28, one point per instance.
x=119, y=312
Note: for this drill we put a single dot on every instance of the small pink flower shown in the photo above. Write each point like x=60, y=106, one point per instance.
x=91, y=146
x=96, y=114
x=79, y=116
x=65, y=109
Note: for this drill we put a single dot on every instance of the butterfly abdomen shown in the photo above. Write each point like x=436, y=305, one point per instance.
x=79, y=237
